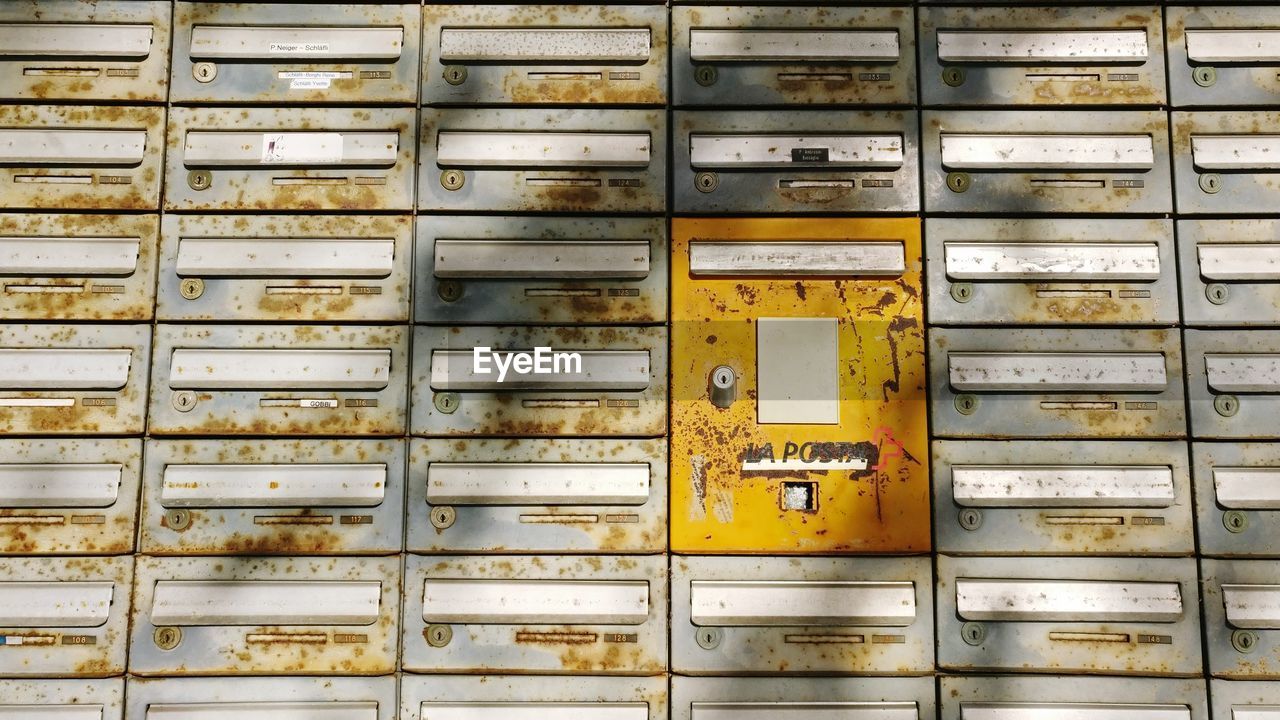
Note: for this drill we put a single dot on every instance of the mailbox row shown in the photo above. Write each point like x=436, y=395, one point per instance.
x=248, y=53
x=608, y=615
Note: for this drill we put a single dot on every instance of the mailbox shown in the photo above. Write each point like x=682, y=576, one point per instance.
x=503, y=697
x=1237, y=498
x=274, y=698
x=897, y=698
x=1230, y=272
x=63, y=699
x=1223, y=55
x=1233, y=383
x=1224, y=162
x=1242, y=618
x=1081, y=698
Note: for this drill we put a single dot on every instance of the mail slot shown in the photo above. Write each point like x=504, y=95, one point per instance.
x=725, y=56
x=275, y=698
x=799, y=386
x=291, y=268
x=515, y=697
x=1233, y=381
x=801, y=615
x=69, y=497
x=279, y=380
x=290, y=159
x=1051, y=272
x=1047, y=161
x=539, y=381
x=532, y=160
x=1122, y=616
x=1063, y=498
x=546, y=614
x=79, y=157
x=68, y=50
x=1042, y=56
x=795, y=161
x=1242, y=618
x=551, y=495
x=273, y=497
x=1223, y=55
x=1237, y=498
x=1224, y=162
x=73, y=379
x=1011, y=383
x=794, y=698
x=64, y=617
x=77, y=267
x=1241, y=700
x=265, y=616
x=63, y=699
x=294, y=54
x=563, y=270
x=1230, y=272
x=544, y=54
x=1008, y=697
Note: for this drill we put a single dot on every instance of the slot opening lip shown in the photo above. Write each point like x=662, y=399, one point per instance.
x=283, y=58
x=328, y=166
x=473, y=59
x=1053, y=63
x=80, y=53
x=549, y=168
x=867, y=59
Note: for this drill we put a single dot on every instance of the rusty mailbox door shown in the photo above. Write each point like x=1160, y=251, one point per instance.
x=1080, y=698
x=1226, y=162
x=275, y=698
x=1223, y=55
x=1237, y=700
x=792, y=698
x=1233, y=383
x=1230, y=271
x=1237, y=498
x=511, y=697
x=798, y=394
x=1242, y=618
x=101, y=699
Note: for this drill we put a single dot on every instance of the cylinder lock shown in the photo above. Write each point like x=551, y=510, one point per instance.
x=724, y=386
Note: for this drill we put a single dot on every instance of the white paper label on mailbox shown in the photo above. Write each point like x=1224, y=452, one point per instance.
x=536, y=602
x=1068, y=600
x=1062, y=486
x=65, y=485
x=537, y=483
x=265, y=602
x=273, y=485
x=1057, y=372
x=55, y=604
x=301, y=148
x=732, y=603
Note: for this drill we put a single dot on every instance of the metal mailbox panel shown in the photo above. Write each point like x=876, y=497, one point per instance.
x=1223, y=55
x=1063, y=498
x=1242, y=618
x=503, y=697
x=92, y=50
x=862, y=616
x=62, y=699
x=792, y=698
x=544, y=54
x=1237, y=498
x=1011, y=383
x=1008, y=697
x=618, y=386
x=1243, y=700
x=1119, y=616
x=1042, y=56
x=273, y=497
x=275, y=698
x=265, y=616
x=795, y=161
x=1047, y=161
x=69, y=497
x=798, y=404
x=290, y=159
x=290, y=268
x=1233, y=383
x=550, y=495
x=279, y=380
x=793, y=56
x=534, y=160
x=77, y=267
x=1224, y=162
x=64, y=617
x=74, y=379
x=543, y=270
x=1230, y=271
x=80, y=157
x=546, y=614
x=1051, y=271
x=293, y=54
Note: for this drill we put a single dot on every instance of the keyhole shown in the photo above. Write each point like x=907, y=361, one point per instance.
x=705, y=75
x=1235, y=521
x=204, y=71
x=191, y=288
x=184, y=401
x=449, y=290
x=167, y=638
x=178, y=520
x=962, y=292
x=973, y=633
x=1244, y=641
x=706, y=182
x=709, y=638
x=966, y=404
x=439, y=635
x=1204, y=76
x=452, y=179
x=970, y=519
x=447, y=402
x=1226, y=405
x=958, y=182
x=455, y=74
x=1217, y=293
x=1211, y=183
x=953, y=77
x=443, y=516
x=199, y=179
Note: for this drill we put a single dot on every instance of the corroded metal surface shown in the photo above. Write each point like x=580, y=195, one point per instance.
x=421, y=697
x=305, y=696
x=759, y=697
x=1031, y=695
x=1224, y=162
x=1232, y=389
x=1245, y=74
x=1241, y=630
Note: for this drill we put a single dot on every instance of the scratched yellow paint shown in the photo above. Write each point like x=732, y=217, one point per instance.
x=715, y=505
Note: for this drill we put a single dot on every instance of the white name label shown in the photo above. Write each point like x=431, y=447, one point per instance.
x=296, y=47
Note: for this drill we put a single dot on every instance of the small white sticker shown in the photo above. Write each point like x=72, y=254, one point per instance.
x=295, y=48
x=302, y=148
x=309, y=84
x=312, y=79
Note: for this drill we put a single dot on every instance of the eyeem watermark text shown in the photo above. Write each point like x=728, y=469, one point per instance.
x=542, y=361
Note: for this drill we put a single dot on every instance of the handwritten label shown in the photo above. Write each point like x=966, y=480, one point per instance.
x=301, y=148
x=296, y=48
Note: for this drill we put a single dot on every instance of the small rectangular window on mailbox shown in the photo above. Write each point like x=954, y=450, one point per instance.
x=506, y=697
x=290, y=159
x=552, y=615
x=795, y=161
x=547, y=495
x=1242, y=618
x=279, y=380
x=1063, y=498
x=101, y=699
x=75, y=50
x=798, y=401
x=1051, y=272
x=542, y=270
x=793, y=56
x=64, y=617
x=265, y=616
x=1237, y=498
x=532, y=160
x=288, y=268
x=1009, y=697
x=1047, y=161
x=1226, y=162
x=1042, y=56
x=1233, y=383
x=273, y=497
x=291, y=54
x=1137, y=616
x=862, y=616
x=273, y=698
x=794, y=698
x=544, y=54
x=1223, y=55
x=1016, y=383
x=1230, y=271
x=77, y=267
